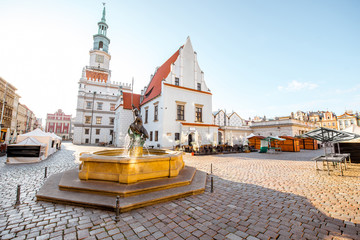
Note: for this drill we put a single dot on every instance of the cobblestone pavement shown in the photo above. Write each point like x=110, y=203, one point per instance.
x=257, y=196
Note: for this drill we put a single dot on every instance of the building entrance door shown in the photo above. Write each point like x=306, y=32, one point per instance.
x=190, y=139
x=220, y=137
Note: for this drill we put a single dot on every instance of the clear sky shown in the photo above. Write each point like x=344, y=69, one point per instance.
x=259, y=57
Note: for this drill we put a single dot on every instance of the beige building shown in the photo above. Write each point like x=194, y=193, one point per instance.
x=7, y=95
x=282, y=127
x=21, y=119
x=15, y=118
x=315, y=117
x=14, y=123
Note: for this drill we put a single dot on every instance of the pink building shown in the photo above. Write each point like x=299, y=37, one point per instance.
x=58, y=123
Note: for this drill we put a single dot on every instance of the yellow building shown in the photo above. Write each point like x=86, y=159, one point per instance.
x=329, y=120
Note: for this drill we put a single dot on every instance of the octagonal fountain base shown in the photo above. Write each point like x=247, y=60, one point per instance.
x=157, y=176
x=113, y=165
x=67, y=188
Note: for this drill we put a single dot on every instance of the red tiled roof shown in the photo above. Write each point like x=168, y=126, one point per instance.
x=154, y=88
x=127, y=100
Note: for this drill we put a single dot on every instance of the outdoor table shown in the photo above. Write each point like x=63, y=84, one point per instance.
x=274, y=150
x=333, y=159
x=347, y=155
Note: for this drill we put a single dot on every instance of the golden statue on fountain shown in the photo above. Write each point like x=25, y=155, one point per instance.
x=138, y=134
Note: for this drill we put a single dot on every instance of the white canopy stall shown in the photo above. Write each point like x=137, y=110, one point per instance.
x=29, y=150
x=40, y=136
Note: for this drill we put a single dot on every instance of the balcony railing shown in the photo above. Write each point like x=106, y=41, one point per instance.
x=98, y=68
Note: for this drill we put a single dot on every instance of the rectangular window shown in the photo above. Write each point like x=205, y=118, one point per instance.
x=177, y=81
x=156, y=113
x=198, y=114
x=112, y=107
x=180, y=112
x=156, y=136
x=88, y=105
x=111, y=132
x=97, y=131
x=87, y=119
x=333, y=124
x=199, y=86
x=96, y=140
x=177, y=136
x=86, y=131
x=86, y=140
x=146, y=115
x=112, y=121
x=99, y=106
x=151, y=135
x=98, y=120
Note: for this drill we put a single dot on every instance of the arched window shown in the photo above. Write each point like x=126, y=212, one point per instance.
x=101, y=44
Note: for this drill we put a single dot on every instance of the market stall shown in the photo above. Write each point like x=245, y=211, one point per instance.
x=42, y=137
x=29, y=150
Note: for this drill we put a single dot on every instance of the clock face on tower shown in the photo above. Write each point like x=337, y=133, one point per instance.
x=99, y=58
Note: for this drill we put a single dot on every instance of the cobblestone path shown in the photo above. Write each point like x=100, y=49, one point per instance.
x=257, y=196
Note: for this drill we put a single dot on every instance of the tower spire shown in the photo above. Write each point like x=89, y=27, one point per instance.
x=103, y=14
x=101, y=41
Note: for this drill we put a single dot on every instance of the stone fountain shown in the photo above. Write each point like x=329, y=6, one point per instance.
x=139, y=177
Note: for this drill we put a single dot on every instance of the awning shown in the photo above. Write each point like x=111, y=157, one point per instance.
x=326, y=135
x=270, y=138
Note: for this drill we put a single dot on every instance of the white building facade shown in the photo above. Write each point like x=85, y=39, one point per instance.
x=97, y=95
x=177, y=104
x=233, y=129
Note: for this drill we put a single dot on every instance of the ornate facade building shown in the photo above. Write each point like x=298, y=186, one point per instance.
x=346, y=120
x=97, y=95
x=232, y=128
x=329, y=120
x=58, y=123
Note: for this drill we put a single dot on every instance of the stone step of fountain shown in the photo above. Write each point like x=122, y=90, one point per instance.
x=51, y=192
x=71, y=182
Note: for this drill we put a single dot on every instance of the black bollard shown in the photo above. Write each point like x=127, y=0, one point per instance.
x=117, y=210
x=211, y=181
x=45, y=175
x=212, y=184
x=17, y=196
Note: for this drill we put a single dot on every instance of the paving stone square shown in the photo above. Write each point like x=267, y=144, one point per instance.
x=256, y=196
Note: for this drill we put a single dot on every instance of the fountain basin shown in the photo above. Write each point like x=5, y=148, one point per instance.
x=112, y=165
